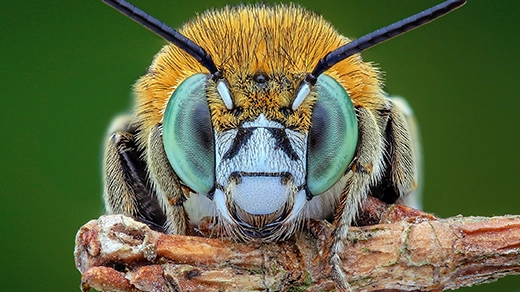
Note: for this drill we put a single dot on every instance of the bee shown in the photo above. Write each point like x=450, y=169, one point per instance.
x=261, y=117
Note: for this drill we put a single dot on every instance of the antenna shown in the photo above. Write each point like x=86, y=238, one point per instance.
x=166, y=32
x=381, y=35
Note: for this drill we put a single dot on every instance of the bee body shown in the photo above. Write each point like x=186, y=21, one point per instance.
x=262, y=117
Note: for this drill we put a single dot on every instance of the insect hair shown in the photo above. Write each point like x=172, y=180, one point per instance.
x=330, y=59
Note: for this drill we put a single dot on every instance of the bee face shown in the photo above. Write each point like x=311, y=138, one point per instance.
x=243, y=141
x=255, y=134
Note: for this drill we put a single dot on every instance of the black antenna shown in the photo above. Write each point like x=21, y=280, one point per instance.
x=166, y=32
x=381, y=35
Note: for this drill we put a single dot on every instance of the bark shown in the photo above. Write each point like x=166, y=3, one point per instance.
x=406, y=250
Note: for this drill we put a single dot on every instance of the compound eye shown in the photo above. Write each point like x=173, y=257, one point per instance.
x=188, y=134
x=333, y=136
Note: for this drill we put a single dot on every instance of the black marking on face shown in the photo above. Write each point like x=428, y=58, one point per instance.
x=236, y=176
x=244, y=134
x=282, y=141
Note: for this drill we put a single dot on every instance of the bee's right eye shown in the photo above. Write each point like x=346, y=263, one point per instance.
x=188, y=134
x=333, y=136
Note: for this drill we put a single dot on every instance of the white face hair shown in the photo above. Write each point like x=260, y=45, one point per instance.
x=260, y=175
x=260, y=171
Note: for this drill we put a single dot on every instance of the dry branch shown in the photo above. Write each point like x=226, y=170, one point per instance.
x=406, y=251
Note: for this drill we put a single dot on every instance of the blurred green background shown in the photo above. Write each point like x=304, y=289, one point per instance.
x=67, y=68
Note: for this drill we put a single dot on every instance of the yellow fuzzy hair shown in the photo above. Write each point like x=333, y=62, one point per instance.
x=282, y=42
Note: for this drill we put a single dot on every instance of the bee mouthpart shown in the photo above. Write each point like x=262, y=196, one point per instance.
x=259, y=226
x=264, y=213
x=260, y=205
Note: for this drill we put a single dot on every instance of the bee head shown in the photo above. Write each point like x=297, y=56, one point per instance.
x=249, y=118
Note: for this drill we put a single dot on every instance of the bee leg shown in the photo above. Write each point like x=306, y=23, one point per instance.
x=126, y=187
x=365, y=171
x=400, y=178
x=170, y=193
x=411, y=174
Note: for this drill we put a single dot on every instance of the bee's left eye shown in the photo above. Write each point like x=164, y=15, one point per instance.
x=188, y=134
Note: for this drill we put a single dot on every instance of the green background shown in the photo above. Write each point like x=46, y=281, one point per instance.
x=67, y=68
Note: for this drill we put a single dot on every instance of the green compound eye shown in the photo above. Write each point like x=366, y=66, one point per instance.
x=188, y=135
x=333, y=136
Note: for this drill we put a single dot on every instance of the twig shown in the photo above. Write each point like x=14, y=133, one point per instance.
x=406, y=251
